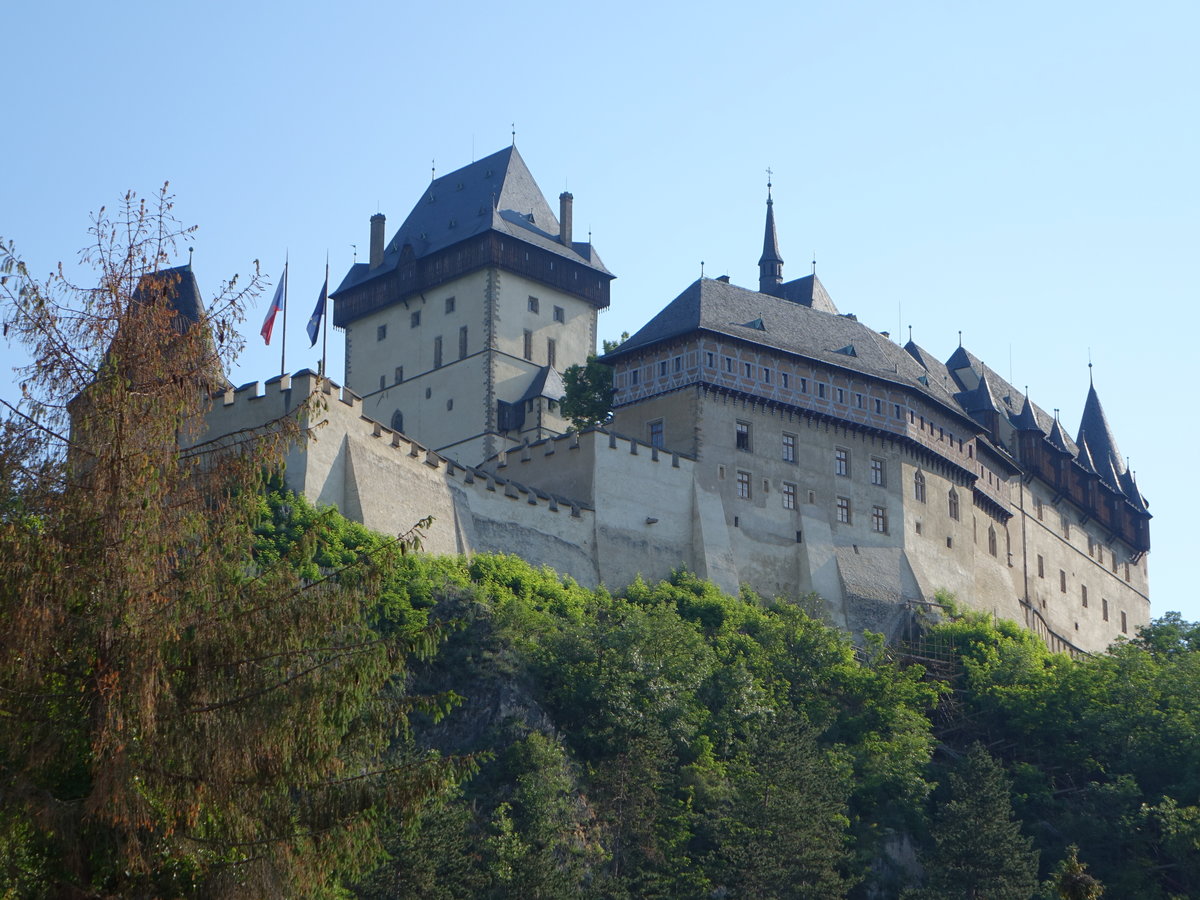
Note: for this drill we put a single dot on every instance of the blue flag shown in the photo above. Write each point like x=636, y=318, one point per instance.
x=314, y=321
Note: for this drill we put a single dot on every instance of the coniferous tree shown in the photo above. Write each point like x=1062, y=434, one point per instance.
x=177, y=717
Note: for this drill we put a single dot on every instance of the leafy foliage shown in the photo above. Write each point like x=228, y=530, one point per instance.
x=588, y=401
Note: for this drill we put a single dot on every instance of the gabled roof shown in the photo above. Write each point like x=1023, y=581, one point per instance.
x=546, y=383
x=718, y=307
x=808, y=291
x=496, y=193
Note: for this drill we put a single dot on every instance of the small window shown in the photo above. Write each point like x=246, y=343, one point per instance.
x=449, y=305
x=1104, y=609
x=415, y=319
x=679, y=364
x=462, y=342
x=949, y=542
x=656, y=432
x=437, y=352
x=841, y=462
x=381, y=333
x=1127, y=571
x=1066, y=527
x=789, y=447
x=551, y=353
x=398, y=421
x=841, y=396
x=729, y=364
x=1113, y=554
x=560, y=314
x=450, y=404
x=843, y=510
x=952, y=502
x=783, y=379
x=789, y=495
x=879, y=519
x=896, y=411
x=1042, y=568
x=743, y=485
x=742, y=436
x=878, y=407
x=1062, y=581
x=1083, y=595
x=991, y=540
x=878, y=471
x=1124, y=623
x=633, y=376
x=804, y=385
x=528, y=347
x=709, y=359
x=766, y=376
x=748, y=370
x=821, y=389
x=399, y=374
x=533, y=304
x=1038, y=509
x=662, y=369
x=919, y=486
x=812, y=497
x=858, y=400
x=917, y=527
x=382, y=382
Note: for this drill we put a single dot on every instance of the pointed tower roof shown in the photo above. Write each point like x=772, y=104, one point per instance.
x=982, y=399
x=1130, y=489
x=770, y=264
x=1084, y=456
x=1058, y=437
x=1026, y=419
x=1094, y=431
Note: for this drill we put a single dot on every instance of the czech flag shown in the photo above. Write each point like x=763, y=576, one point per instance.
x=276, y=306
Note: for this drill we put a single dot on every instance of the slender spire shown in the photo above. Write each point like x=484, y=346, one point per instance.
x=770, y=265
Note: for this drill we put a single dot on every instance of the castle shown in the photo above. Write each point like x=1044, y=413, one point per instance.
x=759, y=437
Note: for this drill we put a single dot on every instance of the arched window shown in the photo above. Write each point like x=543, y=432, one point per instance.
x=398, y=421
x=991, y=540
x=919, y=485
x=953, y=501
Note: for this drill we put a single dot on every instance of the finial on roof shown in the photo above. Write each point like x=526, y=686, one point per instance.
x=190, y=249
x=514, y=133
x=701, y=270
x=1090, y=381
x=910, y=334
x=960, y=337
x=814, y=264
x=770, y=264
x=354, y=247
x=769, y=173
x=433, y=170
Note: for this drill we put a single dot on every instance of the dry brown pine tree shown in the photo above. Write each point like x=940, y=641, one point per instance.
x=176, y=719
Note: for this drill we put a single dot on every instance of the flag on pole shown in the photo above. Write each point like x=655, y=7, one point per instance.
x=314, y=321
x=276, y=306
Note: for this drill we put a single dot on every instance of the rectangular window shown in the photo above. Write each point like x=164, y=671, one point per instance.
x=1066, y=527
x=662, y=368
x=1062, y=580
x=748, y=370
x=560, y=314
x=1127, y=571
x=709, y=359
x=462, y=342
x=1042, y=567
x=821, y=390
x=843, y=510
x=437, y=352
x=1113, y=554
x=381, y=332
x=656, y=433
x=1124, y=623
x=533, y=304
x=879, y=519
x=1037, y=508
x=858, y=400
x=789, y=495
x=527, y=350
x=679, y=364
x=399, y=374
x=789, y=447
x=729, y=364
x=896, y=411
x=382, y=379
x=633, y=376
x=878, y=407
x=841, y=396
x=1083, y=595
x=449, y=305
x=551, y=353
x=804, y=385
x=742, y=436
x=783, y=378
x=878, y=472
x=743, y=485
x=841, y=462
x=415, y=319
x=1104, y=609
x=766, y=376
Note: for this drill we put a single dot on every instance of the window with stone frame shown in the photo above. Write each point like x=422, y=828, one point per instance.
x=527, y=348
x=1083, y=595
x=843, y=510
x=743, y=485
x=789, y=447
x=560, y=315
x=656, y=432
x=789, y=495
x=878, y=471
x=533, y=304
x=879, y=519
x=919, y=486
x=742, y=436
x=952, y=502
x=841, y=462
x=991, y=540
x=437, y=352
x=462, y=342
x=551, y=353
x=1062, y=581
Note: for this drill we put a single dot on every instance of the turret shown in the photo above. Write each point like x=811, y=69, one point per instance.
x=770, y=264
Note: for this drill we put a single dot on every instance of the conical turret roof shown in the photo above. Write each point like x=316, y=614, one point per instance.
x=1094, y=431
x=1026, y=419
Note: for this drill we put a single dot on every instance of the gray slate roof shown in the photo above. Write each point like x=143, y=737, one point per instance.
x=496, y=193
x=1095, y=433
x=723, y=308
x=180, y=287
x=546, y=383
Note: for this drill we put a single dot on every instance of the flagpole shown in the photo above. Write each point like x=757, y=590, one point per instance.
x=325, y=319
x=283, y=336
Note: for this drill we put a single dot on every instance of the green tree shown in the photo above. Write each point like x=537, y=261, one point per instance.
x=979, y=852
x=1071, y=880
x=588, y=401
x=177, y=716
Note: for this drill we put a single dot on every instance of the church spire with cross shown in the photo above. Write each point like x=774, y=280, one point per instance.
x=770, y=264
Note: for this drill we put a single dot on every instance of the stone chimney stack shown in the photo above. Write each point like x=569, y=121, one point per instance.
x=377, y=221
x=565, y=200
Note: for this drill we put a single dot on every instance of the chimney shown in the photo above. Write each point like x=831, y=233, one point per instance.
x=377, y=221
x=564, y=218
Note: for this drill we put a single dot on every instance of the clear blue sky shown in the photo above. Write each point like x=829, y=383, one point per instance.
x=1023, y=172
